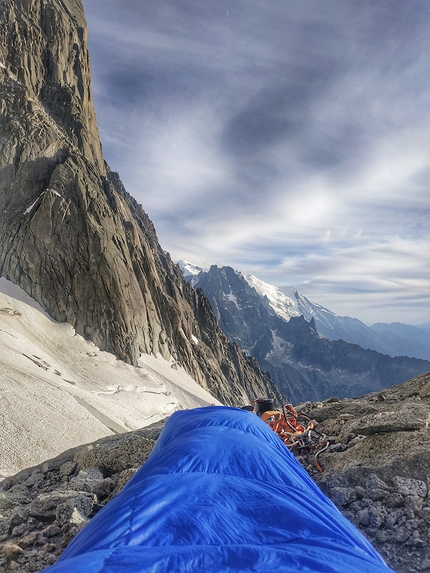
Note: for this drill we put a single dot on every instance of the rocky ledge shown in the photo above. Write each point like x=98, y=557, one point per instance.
x=376, y=470
x=44, y=507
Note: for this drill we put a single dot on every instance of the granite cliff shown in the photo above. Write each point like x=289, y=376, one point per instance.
x=70, y=234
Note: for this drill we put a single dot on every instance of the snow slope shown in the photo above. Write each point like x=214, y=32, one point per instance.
x=190, y=271
x=283, y=305
x=58, y=390
x=292, y=303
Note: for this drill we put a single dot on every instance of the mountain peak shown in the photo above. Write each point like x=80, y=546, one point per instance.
x=282, y=304
x=70, y=234
x=189, y=269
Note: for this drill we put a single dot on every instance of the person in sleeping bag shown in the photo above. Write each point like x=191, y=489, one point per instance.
x=220, y=493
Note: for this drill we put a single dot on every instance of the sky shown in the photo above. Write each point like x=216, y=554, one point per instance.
x=289, y=139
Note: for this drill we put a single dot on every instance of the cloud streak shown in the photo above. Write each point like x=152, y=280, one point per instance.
x=289, y=140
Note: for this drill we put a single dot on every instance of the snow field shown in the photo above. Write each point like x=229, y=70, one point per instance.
x=58, y=390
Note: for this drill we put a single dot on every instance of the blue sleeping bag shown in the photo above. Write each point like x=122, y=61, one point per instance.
x=220, y=493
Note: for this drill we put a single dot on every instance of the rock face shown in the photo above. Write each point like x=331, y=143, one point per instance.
x=377, y=469
x=70, y=235
x=303, y=364
x=43, y=508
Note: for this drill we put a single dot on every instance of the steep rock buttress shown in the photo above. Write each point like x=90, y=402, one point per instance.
x=70, y=235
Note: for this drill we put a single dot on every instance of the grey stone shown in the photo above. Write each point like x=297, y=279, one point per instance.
x=393, y=517
x=415, y=541
x=425, y=514
x=6, y=502
x=86, y=480
x=410, y=486
x=386, y=422
x=47, y=467
x=412, y=524
x=376, y=494
x=401, y=534
x=29, y=539
x=393, y=500
x=342, y=495
x=20, y=530
x=350, y=516
x=356, y=506
x=360, y=491
x=382, y=536
x=75, y=509
x=51, y=531
x=414, y=502
x=19, y=515
x=373, y=482
x=34, y=480
x=103, y=488
x=67, y=468
x=377, y=515
x=363, y=517
x=5, y=525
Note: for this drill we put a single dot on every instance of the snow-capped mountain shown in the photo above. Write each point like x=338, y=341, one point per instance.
x=190, y=271
x=395, y=339
x=282, y=304
x=267, y=324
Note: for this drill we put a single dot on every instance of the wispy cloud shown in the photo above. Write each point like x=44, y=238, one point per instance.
x=287, y=139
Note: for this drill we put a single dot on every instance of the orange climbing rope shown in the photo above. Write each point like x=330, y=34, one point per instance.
x=297, y=431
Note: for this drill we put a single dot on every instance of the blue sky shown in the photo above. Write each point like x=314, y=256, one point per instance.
x=287, y=139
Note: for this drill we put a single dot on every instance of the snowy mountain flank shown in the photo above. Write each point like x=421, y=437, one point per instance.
x=394, y=339
x=190, y=271
x=59, y=390
x=274, y=328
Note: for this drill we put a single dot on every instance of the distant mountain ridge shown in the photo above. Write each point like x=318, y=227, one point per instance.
x=304, y=365
x=395, y=339
x=415, y=340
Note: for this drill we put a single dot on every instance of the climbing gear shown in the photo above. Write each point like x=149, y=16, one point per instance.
x=297, y=431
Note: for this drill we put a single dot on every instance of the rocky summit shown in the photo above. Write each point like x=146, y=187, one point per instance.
x=376, y=471
x=70, y=235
